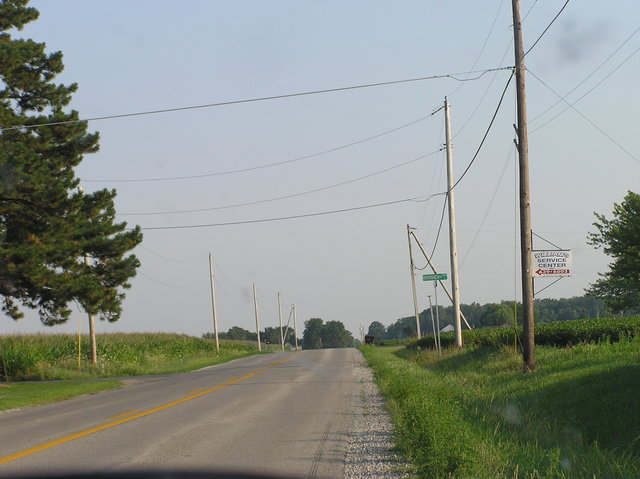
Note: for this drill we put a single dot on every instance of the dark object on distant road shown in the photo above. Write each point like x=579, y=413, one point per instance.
x=369, y=339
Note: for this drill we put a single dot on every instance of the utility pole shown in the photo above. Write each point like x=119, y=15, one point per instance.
x=255, y=307
x=528, y=344
x=452, y=230
x=213, y=304
x=295, y=327
x=92, y=321
x=433, y=325
x=435, y=293
x=441, y=283
x=413, y=284
x=92, y=325
x=280, y=319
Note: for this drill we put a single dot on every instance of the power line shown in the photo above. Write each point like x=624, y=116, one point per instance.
x=606, y=60
x=493, y=197
x=452, y=76
x=484, y=45
x=294, y=195
x=269, y=165
x=548, y=27
x=571, y=105
x=283, y=218
x=486, y=133
x=435, y=243
x=163, y=283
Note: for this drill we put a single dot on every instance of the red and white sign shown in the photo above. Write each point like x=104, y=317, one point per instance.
x=551, y=263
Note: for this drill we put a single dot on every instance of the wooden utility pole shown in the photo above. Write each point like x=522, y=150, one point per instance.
x=295, y=326
x=92, y=321
x=528, y=344
x=280, y=319
x=413, y=284
x=92, y=325
x=455, y=288
x=255, y=308
x=213, y=304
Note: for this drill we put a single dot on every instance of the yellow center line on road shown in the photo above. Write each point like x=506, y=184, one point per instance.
x=87, y=432
x=128, y=413
x=280, y=361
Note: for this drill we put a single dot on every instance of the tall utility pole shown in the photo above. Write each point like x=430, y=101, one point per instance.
x=255, y=307
x=525, y=195
x=280, y=319
x=92, y=324
x=92, y=321
x=213, y=304
x=455, y=289
x=295, y=327
x=413, y=284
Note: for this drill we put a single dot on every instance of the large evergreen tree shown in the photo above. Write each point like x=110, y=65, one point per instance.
x=620, y=238
x=47, y=225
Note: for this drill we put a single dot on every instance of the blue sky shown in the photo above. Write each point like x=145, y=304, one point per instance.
x=353, y=267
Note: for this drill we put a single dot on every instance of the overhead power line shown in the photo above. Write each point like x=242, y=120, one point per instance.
x=269, y=165
x=546, y=29
x=453, y=76
x=593, y=72
x=293, y=195
x=591, y=122
x=486, y=133
x=283, y=218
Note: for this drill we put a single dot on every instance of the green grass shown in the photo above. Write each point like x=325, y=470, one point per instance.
x=44, y=357
x=47, y=357
x=16, y=395
x=473, y=413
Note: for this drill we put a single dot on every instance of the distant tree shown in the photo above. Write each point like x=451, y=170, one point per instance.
x=377, y=330
x=270, y=335
x=312, y=336
x=318, y=335
x=47, y=226
x=496, y=315
x=241, y=334
x=620, y=238
x=334, y=335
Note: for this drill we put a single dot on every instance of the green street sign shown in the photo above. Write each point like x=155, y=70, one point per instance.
x=434, y=277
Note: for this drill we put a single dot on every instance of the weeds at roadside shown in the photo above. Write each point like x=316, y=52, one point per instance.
x=472, y=413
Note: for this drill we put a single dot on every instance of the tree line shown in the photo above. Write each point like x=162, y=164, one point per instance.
x=317, y=335
x=499, y=314
x=268, y=335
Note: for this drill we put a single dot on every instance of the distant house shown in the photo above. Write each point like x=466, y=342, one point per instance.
x=447, y=328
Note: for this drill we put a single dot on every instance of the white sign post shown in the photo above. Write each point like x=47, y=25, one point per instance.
x=551, y=263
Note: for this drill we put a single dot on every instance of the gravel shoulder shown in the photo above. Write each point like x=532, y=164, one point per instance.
x=370, y=450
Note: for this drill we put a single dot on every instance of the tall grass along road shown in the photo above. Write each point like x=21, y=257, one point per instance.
x=283, y=413
x=472, y=413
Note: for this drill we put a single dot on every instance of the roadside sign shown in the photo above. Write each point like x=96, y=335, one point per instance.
x=551, y=263
x=434, y=277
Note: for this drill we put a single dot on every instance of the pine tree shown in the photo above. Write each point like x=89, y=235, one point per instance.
x=46, y=224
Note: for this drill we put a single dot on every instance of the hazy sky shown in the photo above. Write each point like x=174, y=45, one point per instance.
x=146, y=55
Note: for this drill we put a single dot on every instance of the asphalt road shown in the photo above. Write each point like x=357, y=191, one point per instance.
x=281, y=414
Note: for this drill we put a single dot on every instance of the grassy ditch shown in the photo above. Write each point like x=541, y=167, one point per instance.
x=48, y=357
x=473, y=413
x=17, y=395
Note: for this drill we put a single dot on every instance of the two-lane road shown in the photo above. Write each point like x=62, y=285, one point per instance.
x=284, y=413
